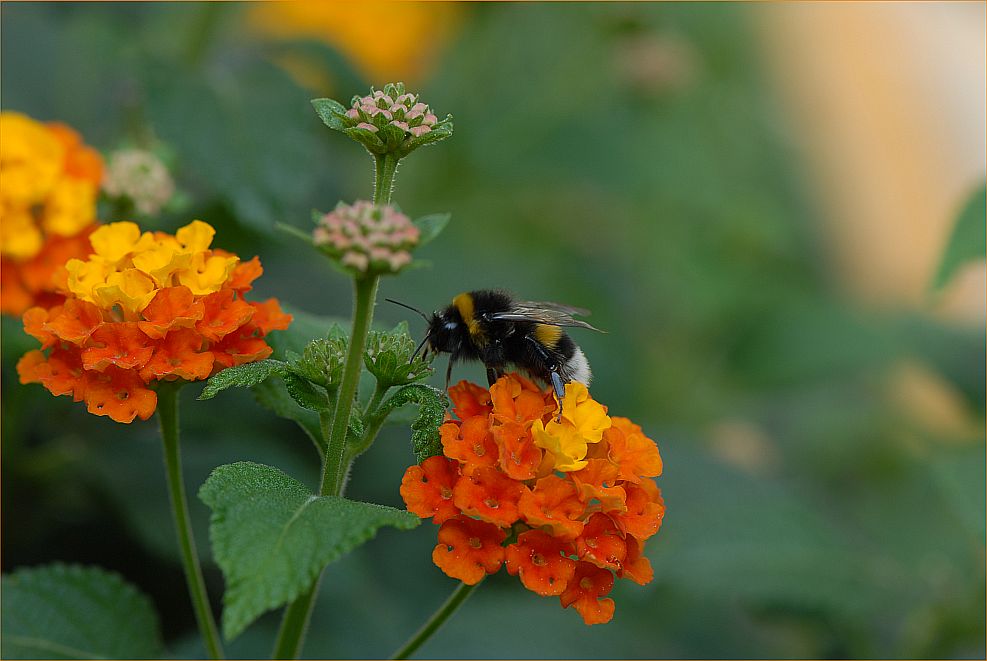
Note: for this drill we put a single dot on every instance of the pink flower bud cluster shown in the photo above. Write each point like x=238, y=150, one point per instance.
x=404, y=111
x=364, y=237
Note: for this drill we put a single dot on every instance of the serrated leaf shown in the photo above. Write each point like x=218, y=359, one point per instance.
x=241, y=376
x=431, y=226
x=272, y=537
x=73, y=612
x=432, y=403
x=330, y=112
x=304, y=393
x=273, y=396
x=968, y=240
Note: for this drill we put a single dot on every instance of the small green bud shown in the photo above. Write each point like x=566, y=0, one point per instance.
x=388, y=357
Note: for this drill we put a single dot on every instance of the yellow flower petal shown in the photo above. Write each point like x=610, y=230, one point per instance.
x=207, y=274
x=85, y=276
x=131, y=289
x=115, y=241
x=161, y=260
x=20, y=238
x=70, y=207
x=196, y=236
x=563, y=441
x=588, y=416
x=31, y=159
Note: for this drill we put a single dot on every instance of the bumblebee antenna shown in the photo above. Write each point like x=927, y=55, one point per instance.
x=391, y=300
x=420, y=345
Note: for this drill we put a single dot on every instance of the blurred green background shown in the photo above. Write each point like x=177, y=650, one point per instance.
x=634, y=159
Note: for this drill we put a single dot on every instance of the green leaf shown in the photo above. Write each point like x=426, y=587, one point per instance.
x=304, y=393
x=330, y=112
x=968, y=240
x=72, y=612
x=273, y=395
x=431, y=226
x=272, y=537
x=432, y=404
x=296, y=232
x=241, y=376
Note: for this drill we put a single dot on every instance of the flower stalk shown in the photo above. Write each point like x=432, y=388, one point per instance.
x=168, y=416
x=434, y=623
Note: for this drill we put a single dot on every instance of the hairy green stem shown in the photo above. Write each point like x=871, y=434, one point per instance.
x=439, y=617
x=385, y=169
x=334, y=468
x=168, y=415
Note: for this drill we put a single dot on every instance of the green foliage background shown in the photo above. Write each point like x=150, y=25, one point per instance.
x=677, y=214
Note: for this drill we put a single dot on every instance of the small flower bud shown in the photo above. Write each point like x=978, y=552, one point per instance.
x=367, y=239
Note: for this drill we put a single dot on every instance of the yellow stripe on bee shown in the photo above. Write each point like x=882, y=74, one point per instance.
x=548, y=335
x=464, y=304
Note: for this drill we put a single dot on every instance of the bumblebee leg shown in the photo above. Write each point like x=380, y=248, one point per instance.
x=452, y=361
x=493, y=374
x=553, y=370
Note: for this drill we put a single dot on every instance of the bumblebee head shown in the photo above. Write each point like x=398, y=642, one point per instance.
x=445, y=331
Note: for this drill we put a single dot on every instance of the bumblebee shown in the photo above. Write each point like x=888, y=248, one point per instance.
x=493, y=328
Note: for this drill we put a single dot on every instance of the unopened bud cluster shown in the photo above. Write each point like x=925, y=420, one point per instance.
x=367, y=239
x=141, y=177
x=387, y=122
x=405, y=112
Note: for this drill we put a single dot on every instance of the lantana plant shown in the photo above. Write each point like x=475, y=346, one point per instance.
x=557, y=492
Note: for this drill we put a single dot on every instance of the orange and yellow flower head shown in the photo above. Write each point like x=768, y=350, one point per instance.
x=144, y=307
x=564, y=503
x=49, y=182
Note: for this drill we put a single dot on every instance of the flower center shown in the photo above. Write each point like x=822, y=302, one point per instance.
x=492, y=503
x=585, y=583
x=479, y=450
x=446, y=493
x=538, y=560
x=475, y=542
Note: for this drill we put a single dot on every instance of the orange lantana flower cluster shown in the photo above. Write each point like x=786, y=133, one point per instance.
x=147, y=307
x=564, y=503
x=49, y=182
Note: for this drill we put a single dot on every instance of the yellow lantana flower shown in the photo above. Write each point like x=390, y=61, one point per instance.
x=31, y=159
x=583, y=422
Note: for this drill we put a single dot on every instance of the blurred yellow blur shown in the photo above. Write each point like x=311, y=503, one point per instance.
x=385, y=41
x=881, y=104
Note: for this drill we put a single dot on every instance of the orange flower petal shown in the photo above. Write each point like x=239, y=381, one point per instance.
x=469, y=549
x=269, y=316
x=179, y=355
x=488, y=494
x=469, y=442
x=119, y=394
x=244, y=273
x=469, y=399
x=542, y=562
x=75, y=322
x=586, y=590
x=602, y=543
x=243, y=346
x=121, y=344
x=636, y=566
x=598, y=481
x=171, y=307
x=427, y=488
x=635, y=454
x=516, y=399
x=35, y=320
x=554, y=503
x=519, y=457
x=223, y=314
x=644, y=511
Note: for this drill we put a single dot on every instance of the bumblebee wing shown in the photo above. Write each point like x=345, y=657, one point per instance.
x=535, y=312
x=558, y=307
